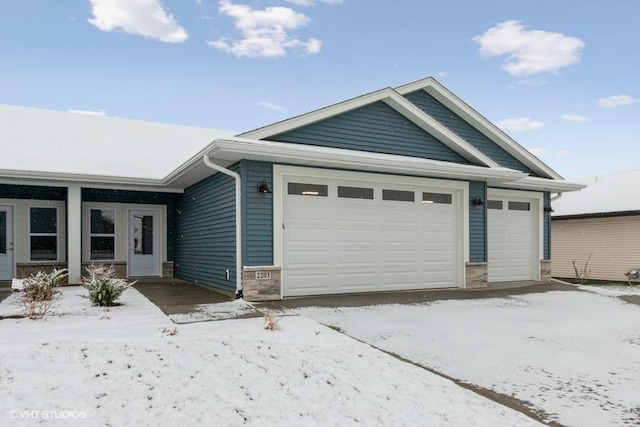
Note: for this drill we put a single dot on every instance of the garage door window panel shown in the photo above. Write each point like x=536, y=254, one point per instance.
x=519, y=206
x=398, y=195
x=355, y=193
x=439, y=198
x=494, y=204
x=302, y=189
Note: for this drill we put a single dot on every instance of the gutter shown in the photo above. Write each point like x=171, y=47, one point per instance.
x=238, y=182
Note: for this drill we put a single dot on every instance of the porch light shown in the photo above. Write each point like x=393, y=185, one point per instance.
x=264, y=188
x=548, y=209
x=477, y=200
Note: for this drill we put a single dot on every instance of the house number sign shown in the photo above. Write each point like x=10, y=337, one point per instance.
x=263, y=275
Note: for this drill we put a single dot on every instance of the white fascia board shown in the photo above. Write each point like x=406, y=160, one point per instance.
x=56, y=179
x=486, y=127
x=433, y=127
x=309, y=155
x=317, y=115
x=544, y=184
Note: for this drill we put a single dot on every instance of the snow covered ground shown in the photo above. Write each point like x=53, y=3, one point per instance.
x=573, y=354
x=130, y=365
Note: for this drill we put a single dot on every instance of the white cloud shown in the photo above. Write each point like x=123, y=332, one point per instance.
x=146, y=18
x=537, y=151
x=265, y=33
x=574, y=118
x=271, y=106
x=89, y=112
x=616, y=101
x=529, y=51
x=562, y=153
x=442, y=74
x=519, y=124
x=313, y=2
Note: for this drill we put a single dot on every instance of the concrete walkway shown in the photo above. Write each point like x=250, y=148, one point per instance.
x=178, y=296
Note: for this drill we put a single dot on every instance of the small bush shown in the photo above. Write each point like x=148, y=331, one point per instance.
x=39, y=292
x=104, y=288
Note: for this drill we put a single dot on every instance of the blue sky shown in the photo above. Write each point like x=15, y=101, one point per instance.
x=560, y=77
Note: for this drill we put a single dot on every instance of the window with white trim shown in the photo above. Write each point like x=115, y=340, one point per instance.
x=102, y=234
x=43, y=234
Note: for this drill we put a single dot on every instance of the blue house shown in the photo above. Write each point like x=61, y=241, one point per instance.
x=403, y=188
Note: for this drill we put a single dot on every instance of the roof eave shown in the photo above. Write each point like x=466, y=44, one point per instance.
x=545, y=184
x=231, y=150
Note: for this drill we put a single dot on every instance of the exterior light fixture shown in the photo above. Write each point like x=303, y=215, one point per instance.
x=477, y=200
x=263, y=188
x=548, y=209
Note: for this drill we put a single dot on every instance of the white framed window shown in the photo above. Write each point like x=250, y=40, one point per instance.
x=102, y=234
x=43, y=233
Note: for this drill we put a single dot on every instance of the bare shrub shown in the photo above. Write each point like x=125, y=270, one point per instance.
x=39, y=293
x=582, y=273
x=271, y=321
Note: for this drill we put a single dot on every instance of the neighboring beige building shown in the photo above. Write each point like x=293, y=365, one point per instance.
x=601, y=221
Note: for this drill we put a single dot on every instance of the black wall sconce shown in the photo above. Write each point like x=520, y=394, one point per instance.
x=263, y=188
x=548, y=209
x=477, y=200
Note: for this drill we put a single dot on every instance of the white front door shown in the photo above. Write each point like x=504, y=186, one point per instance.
x=144, y=247
x=6, y=242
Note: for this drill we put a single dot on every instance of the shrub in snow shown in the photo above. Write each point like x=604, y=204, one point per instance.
x=39, y=292
x=104, y=288
x=270, y=321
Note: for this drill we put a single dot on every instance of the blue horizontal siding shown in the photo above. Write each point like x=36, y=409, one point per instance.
x=170, y=200
x=257, y=214
x=206, y=232
x=460, y=127
x=375, y=128
x=477, y=223
x=35, y=192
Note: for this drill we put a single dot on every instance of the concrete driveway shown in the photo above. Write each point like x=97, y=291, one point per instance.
x=566, y=355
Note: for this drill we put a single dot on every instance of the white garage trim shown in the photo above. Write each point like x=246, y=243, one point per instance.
x=536, y=200
x=282, y=173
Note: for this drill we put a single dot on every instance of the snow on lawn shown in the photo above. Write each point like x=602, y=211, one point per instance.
x=614, y=290
x=574, y=354
x=124, y=366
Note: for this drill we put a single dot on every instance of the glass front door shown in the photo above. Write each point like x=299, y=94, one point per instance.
x=144, y=253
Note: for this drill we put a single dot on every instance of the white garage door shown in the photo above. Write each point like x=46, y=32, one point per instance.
x=513, y=237
x=342, y=236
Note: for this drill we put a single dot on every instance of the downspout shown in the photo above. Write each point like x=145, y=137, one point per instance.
x=556, y=197
x=238, y=181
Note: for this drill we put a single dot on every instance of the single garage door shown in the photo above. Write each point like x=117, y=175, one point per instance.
x=513, y=237
x=342, y=236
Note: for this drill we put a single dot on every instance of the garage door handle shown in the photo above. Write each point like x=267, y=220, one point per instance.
x=283, y=227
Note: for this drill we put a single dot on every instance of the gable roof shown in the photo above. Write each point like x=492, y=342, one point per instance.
x=605, y=194
x=60, y=142
x=395, y=99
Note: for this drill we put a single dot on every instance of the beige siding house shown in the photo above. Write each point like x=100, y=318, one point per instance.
x=601, y=222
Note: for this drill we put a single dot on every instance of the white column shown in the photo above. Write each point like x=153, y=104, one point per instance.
x=74, y=233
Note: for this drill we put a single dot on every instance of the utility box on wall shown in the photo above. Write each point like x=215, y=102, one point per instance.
x=261, y=283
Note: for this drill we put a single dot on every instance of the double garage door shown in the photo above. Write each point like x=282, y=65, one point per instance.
x=348, y=234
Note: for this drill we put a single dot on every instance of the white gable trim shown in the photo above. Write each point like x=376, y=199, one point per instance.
x=488, y=129
x=394, y=100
